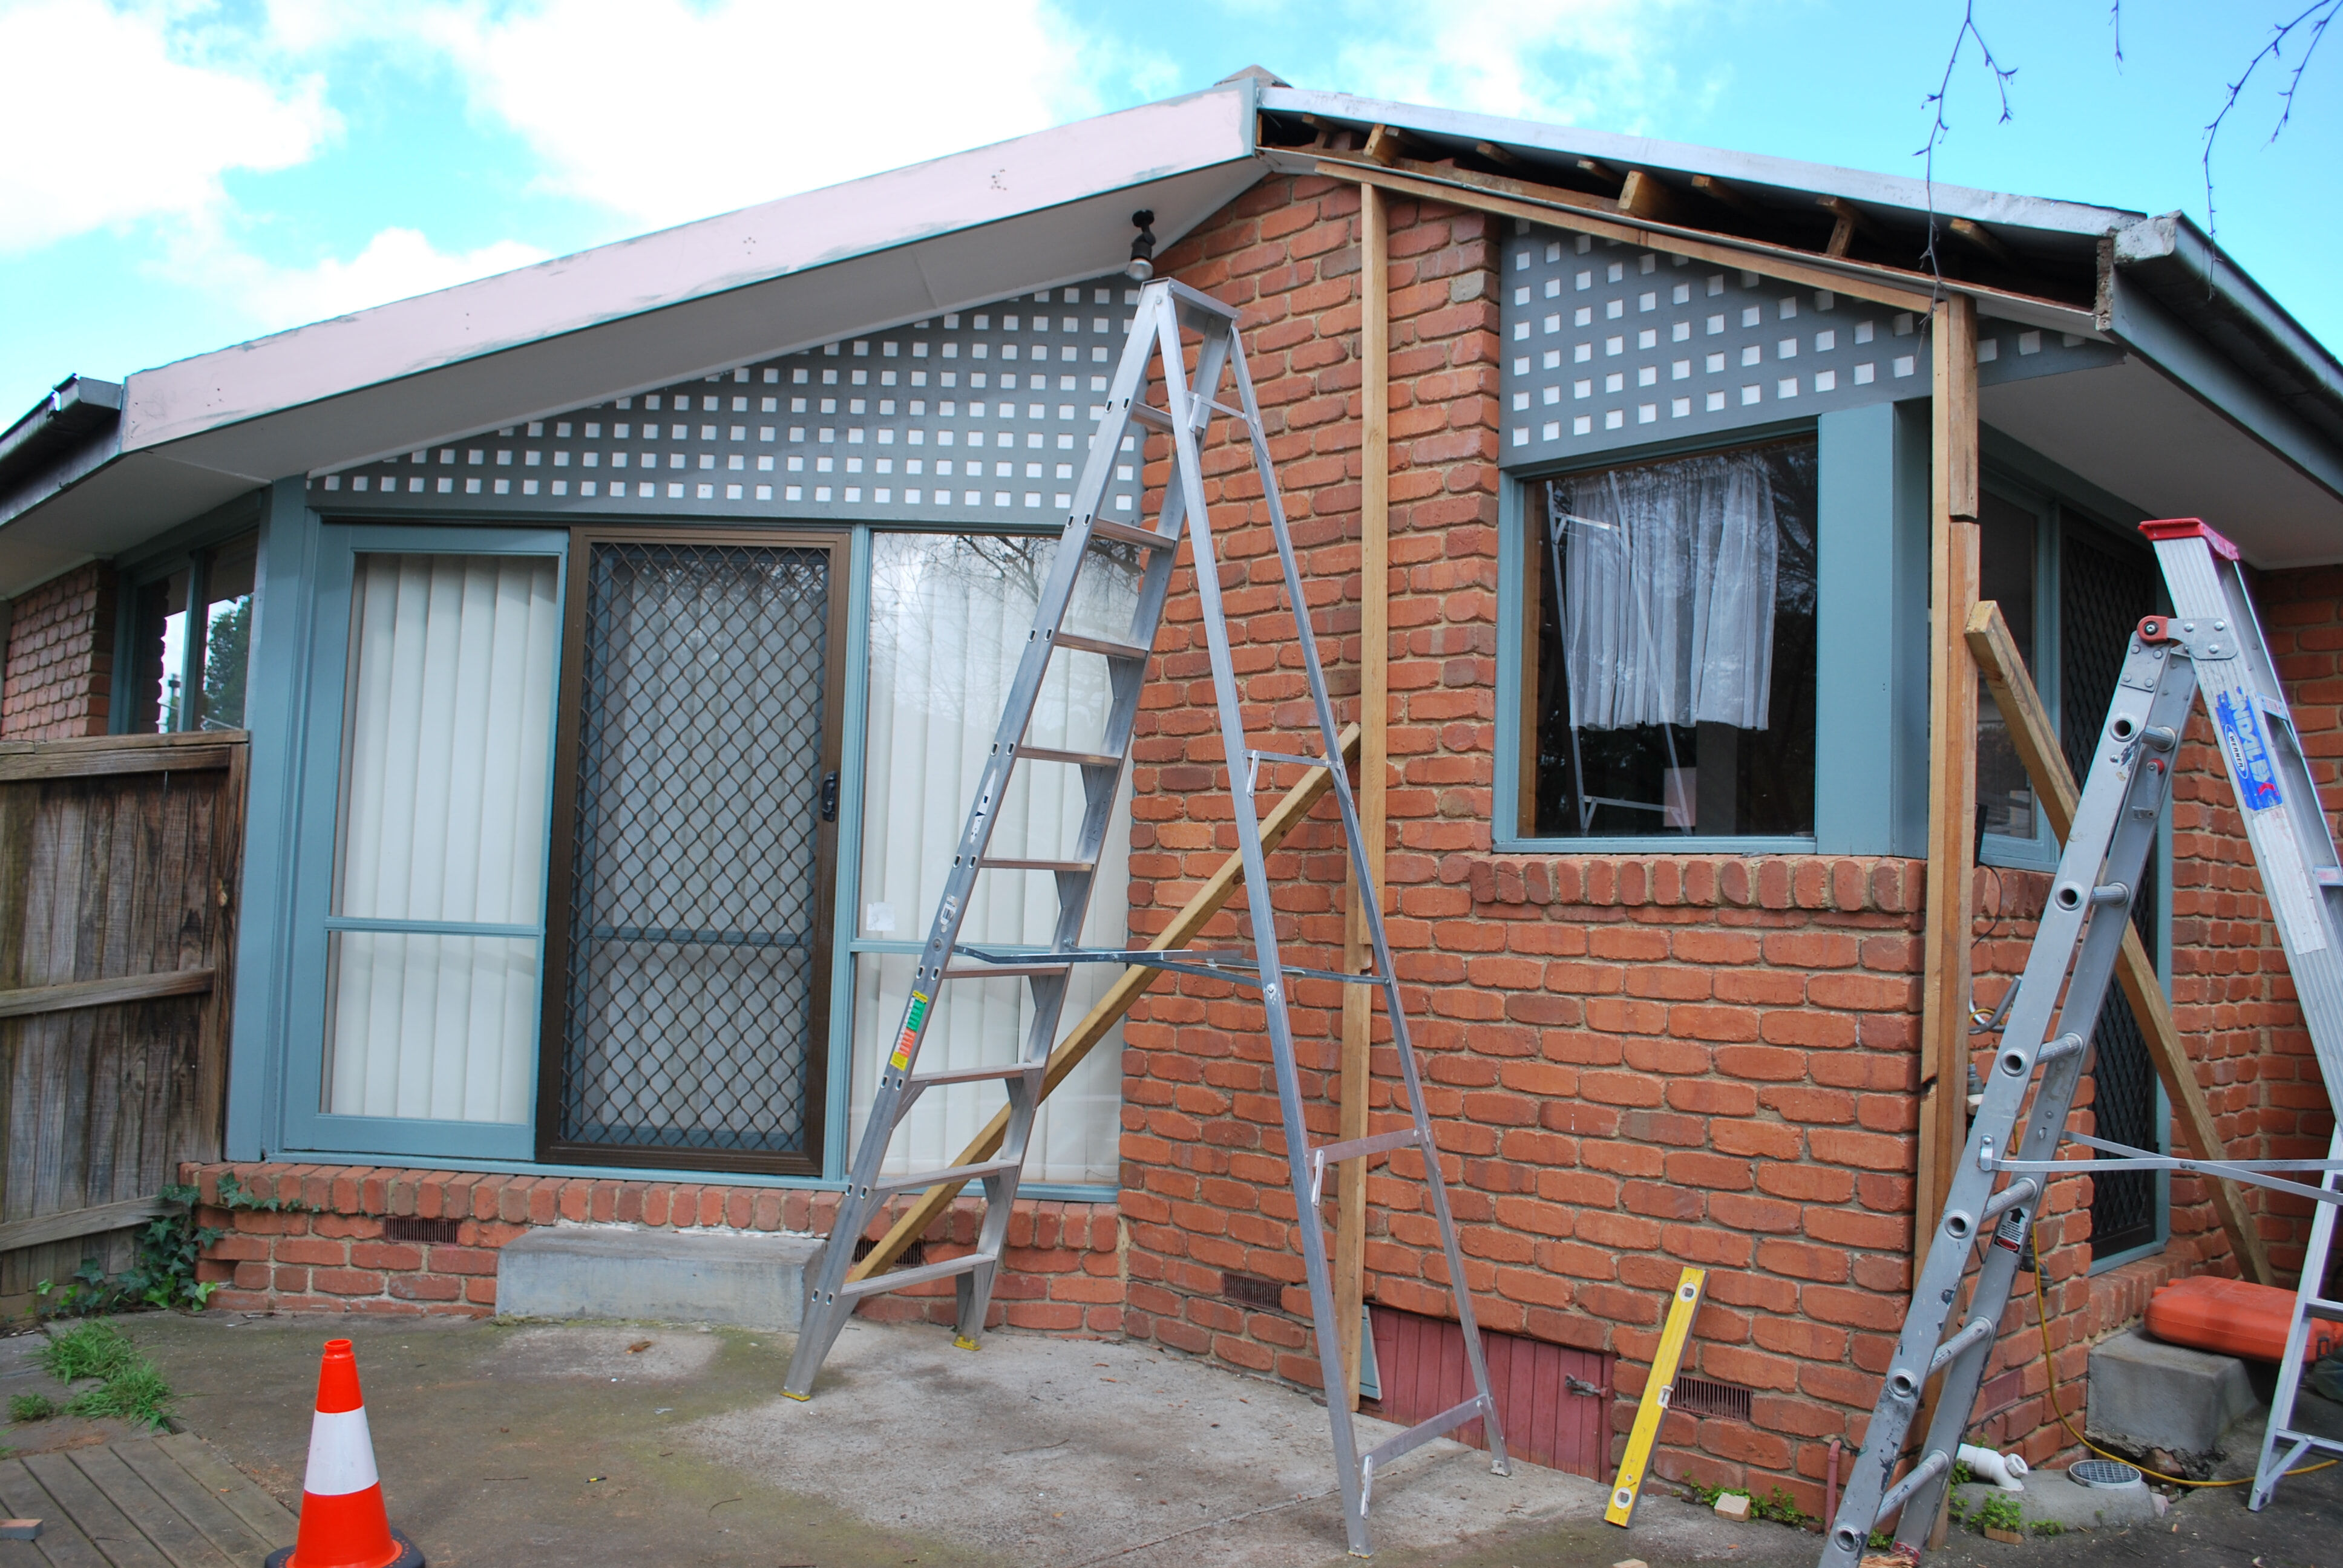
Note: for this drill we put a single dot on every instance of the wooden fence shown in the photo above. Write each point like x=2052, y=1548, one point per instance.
x=118, y=876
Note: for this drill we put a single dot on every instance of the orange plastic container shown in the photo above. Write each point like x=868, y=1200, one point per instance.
x=2234, y=1317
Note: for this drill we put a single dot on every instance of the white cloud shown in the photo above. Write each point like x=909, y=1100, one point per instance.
x=1597, y=63
x=105, y=123
x=663, y=111
x=397, y=264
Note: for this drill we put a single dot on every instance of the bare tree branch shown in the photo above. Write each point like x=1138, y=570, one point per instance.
x=2315, y=17
x=2114, y=20
x=1942, y=128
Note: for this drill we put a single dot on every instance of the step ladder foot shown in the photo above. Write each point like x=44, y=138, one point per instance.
x=800, y=1398
x=1502, y=1467
x=962, y=1342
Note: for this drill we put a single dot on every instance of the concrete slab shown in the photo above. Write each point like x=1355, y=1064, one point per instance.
x=2050, y=1497
x=616, y=1272
x=1060, y=1452
x=2156, y=1395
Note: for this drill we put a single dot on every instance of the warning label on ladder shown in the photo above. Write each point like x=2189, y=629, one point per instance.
x=904, y=1042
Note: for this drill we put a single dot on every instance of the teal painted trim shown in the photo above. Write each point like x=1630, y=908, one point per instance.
x=1908, y=776
x=1653, y=844
x=277, y=692
x=1854, y=697
x=846, y=900
x=430, y=927
x=2018, y=484
x=302, y=1123
x=1513, y=648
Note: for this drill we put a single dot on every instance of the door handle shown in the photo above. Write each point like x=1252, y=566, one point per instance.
x=830, y=797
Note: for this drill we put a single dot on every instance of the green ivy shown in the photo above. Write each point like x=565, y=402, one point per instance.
x=161, y=1276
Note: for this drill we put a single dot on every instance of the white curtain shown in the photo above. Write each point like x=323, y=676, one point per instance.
x=446, y=750
x=949, y=618
x=1668, y=582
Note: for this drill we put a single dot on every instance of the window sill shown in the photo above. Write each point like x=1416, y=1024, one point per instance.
x=1046, y=1192
x=1654, y=844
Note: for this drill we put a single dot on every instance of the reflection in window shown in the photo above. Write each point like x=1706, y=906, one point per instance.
x=950, y=616
x=1674, y=686
x=2006, y=535
x=188, y=671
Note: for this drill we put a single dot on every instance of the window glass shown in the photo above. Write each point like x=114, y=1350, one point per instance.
x=949, y=621
x=157, y=696
x=228, y=633
x=1673, y=688
x=2007, y=557
x=433, y=995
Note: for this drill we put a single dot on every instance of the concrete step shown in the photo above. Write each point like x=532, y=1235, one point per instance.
x=2156, y=1395
x=732, y=1277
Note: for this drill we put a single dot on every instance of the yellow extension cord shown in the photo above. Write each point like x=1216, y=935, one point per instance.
x=2050, y=1370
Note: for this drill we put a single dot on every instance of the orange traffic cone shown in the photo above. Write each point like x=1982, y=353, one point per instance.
x=343, y=1524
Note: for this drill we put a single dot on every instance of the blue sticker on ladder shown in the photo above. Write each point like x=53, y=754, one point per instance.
x=2250, y=757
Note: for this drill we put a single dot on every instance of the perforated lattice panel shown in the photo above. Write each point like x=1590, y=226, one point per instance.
x=691, y=976
x=975, y=416
x=2103, y=590
x=1609, y=346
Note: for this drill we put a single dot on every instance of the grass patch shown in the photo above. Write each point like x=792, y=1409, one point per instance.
x=31, y=1407
x=91, y=1349
x=131, y=1388
x=137, y=1393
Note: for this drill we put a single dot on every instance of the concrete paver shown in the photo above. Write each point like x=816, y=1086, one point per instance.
x=519, y=1443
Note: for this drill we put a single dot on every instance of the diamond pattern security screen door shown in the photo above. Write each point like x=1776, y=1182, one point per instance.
x=688, y=986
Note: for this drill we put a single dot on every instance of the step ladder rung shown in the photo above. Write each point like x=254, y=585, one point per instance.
x=1112, y=649
x=1011, y=971
x=1013, y=863
x=920, y=1180
x=877, y=1284
x=978, y=1074
x=2320, y=1307
x=1126, y=532
x=1150, y=415
x=1079, y=759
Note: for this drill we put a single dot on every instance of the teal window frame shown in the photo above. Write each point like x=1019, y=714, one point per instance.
x=1871, y=653
x=307, y=1126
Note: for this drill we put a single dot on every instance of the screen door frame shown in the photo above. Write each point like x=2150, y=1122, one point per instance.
x=561, y=890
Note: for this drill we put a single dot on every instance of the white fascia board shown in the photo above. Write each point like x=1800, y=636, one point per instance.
x=1740, y=168
x=818, y=230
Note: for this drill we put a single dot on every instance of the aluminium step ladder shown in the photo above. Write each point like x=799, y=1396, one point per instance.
x=1170, y=317
x=2211, y=644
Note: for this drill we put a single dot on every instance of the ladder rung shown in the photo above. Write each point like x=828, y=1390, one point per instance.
x=2319, y=1307
x=1149, y=414
x=1100, y=645
x=2329, y=876
x=919, y=1180
x=877, y=1283
x=977, y=1074
x=1011, y=971
x=1008, y=864
x=1079, y=759
x=1145, y=539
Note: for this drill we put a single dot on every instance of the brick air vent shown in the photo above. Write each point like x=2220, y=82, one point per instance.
x=1705, y=1396
x=1254, y=1291
x=913, y=1255
x=409, y=1228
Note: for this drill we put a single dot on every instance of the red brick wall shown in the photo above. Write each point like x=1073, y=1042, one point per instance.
x=59, y=678
x=329, y=1252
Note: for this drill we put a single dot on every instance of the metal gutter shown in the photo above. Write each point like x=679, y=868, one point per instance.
x=2170, y=259
x=77, y=411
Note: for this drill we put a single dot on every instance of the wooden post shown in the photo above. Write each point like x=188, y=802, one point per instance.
x=1952, y=763
x=1374, y=701
x=1952, y=780
x=2054, y=786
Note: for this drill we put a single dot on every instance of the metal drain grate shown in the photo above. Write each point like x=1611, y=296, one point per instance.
x=2105, y=1473
x=1254, y=1291
x=408, y=1228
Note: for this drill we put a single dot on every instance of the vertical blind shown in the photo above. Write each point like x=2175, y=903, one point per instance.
x=446, y=750
x=949, y=618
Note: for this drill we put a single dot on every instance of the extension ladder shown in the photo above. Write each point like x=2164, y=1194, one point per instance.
x=1169, y=316
x=2211, y=642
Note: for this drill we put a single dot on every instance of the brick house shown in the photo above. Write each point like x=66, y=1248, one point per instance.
x=617, y=639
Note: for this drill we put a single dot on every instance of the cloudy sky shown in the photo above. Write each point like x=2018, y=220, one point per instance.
x=185, y=174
